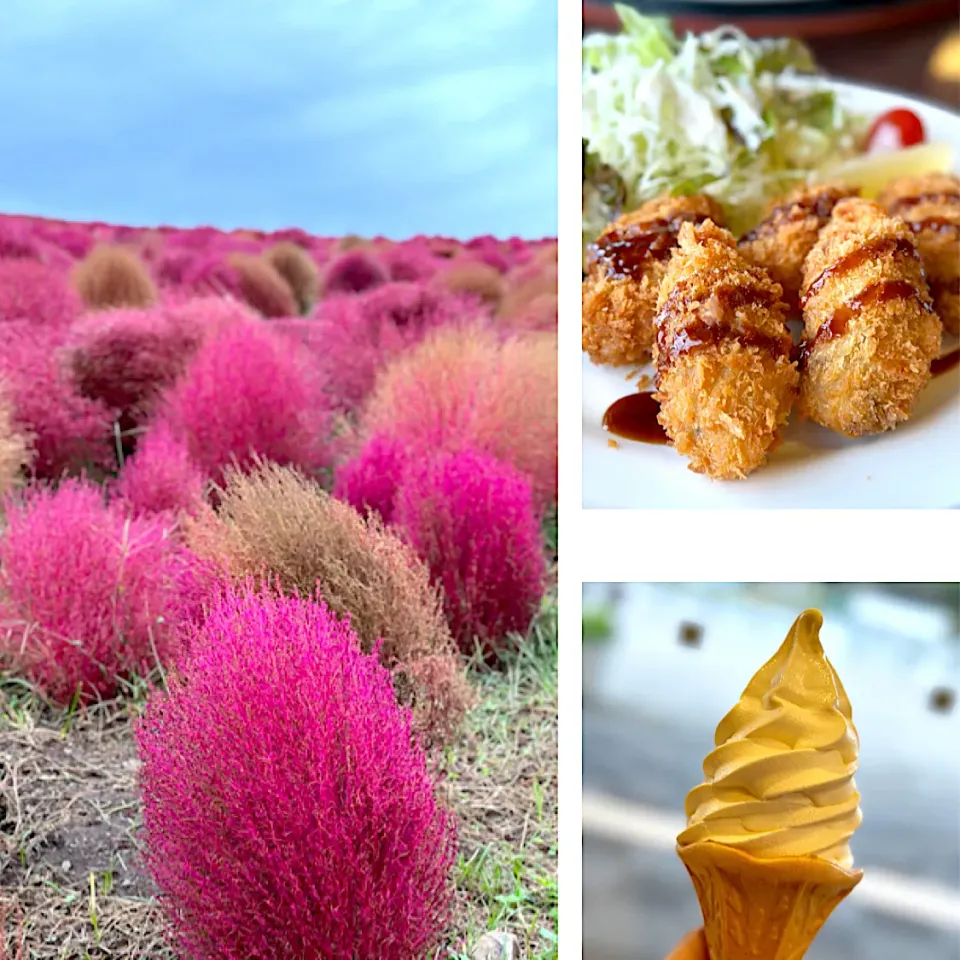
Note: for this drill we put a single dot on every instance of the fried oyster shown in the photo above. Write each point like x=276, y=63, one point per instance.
x=781, y=241
x=625, y=268
x=725, y=378
x=930, y=206
x=869, y=327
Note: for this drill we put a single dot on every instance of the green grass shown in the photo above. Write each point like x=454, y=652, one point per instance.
x=551, y=534
x=505, y=768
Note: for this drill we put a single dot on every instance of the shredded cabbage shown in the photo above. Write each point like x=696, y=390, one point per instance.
x=741, y=120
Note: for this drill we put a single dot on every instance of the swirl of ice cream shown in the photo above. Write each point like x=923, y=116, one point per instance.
x=780, y=781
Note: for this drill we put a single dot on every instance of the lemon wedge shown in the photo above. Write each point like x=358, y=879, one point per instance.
x=872, y=172
x=945, y=62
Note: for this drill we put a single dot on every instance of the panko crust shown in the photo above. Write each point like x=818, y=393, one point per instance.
x=782, y=240
x=934, y=200
x=618, y=311
x=726, y=382
x=618, y=316
x=865, y=379
x=725, y=410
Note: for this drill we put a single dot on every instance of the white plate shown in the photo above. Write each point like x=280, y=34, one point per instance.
x=916, y=465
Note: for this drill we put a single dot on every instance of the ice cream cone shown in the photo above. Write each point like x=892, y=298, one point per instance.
x=763, y=909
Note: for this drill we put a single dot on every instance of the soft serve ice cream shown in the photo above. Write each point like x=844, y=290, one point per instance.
x=780, y=781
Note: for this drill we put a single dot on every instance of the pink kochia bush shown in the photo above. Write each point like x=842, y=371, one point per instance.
x=36, y=293
x=359, y=335
x=370, y=480
x=87, y=596
x=249, y=393
x=160, y=477
x=68, y=432
x=472, y=520
x=409, y=263
x=17, y=241
x=203, y=275
x=288, y=811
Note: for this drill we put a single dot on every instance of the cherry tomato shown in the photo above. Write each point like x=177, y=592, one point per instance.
x=895, y=130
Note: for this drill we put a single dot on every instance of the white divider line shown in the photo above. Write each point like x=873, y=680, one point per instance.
x=916, y=900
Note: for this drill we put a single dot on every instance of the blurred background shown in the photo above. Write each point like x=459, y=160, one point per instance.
x=663, y=663
x=392, y=117
x=913, y=45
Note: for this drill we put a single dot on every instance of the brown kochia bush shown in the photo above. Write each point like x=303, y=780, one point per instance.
x=111, y=276
x=279, y=526
x=473, y=279
x=13, y=448
x=262, y=286
x=526, y=287
x=352, y=242
x=297, y=267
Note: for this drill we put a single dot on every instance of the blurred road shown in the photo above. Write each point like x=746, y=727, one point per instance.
x=649, y=714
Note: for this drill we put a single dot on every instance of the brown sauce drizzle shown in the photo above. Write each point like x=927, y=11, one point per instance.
x=820, y=206
x=713, y=326
x=625, y=251
x=882, y=291
x=875, y=248
x=941, y=225
x=634, y=417
x=947, y=362
x=943, y=199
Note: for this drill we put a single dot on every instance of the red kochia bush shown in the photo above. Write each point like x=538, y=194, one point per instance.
x=353, y=272
x=248, y=392
x=127, y=357
x=472, y=520
x=287, y=810
x=88, y=596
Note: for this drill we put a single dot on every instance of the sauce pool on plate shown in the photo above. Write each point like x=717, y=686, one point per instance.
x=634, y=417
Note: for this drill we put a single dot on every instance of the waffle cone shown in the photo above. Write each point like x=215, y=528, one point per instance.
x=763, y=909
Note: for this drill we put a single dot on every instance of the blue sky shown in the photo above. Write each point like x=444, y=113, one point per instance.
x=339, y=116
